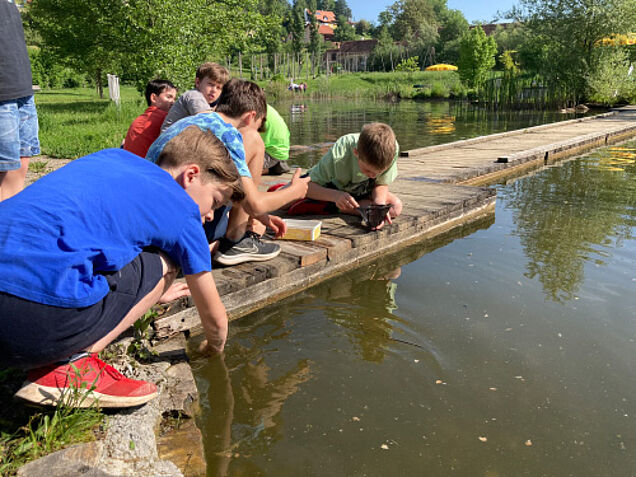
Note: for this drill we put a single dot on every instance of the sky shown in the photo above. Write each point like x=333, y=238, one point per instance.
x=472, y=10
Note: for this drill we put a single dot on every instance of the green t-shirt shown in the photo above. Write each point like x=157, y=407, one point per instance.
x=340, y=168
x=276, y=135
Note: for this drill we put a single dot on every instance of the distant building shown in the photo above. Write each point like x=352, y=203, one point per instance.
x=353, y=55
x=326, y=21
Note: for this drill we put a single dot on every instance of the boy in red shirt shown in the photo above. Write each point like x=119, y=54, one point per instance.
x=160, y=96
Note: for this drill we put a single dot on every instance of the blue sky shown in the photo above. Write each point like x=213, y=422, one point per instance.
x=473, y=10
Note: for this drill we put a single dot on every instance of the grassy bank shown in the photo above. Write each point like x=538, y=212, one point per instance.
x=75, y=122
x=418, y=85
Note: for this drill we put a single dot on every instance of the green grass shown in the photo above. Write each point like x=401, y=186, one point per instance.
x=75, y=122
x=26, y=435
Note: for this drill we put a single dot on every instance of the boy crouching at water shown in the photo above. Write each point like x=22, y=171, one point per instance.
x=355, y=172
x=78, y=268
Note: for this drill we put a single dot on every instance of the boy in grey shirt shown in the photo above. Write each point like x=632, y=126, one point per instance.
x=208, y=84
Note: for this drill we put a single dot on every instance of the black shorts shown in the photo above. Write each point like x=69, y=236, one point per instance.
x=33, y=334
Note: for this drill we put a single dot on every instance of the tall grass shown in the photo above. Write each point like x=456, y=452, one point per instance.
x=76, y=122
x=515, y=92
x=402, y=85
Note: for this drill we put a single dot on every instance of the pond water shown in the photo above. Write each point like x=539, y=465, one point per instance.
x=315, y=125
x=503, y=348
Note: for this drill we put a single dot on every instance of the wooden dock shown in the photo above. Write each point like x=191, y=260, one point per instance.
x=438, y=186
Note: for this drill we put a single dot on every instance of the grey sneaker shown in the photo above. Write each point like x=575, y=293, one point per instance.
x=249, y=249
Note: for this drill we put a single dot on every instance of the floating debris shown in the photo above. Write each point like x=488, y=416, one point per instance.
x=483, y=438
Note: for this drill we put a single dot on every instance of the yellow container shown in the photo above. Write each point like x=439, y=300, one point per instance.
x=302, y=229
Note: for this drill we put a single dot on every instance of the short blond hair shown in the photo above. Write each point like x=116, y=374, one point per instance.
x=194, y=146
x=214, y=71
x=376, y=145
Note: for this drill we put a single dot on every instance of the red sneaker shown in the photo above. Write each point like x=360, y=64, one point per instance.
x=84, y=382
x=311, y=207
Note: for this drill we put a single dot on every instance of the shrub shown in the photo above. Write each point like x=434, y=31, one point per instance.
x=409, y=65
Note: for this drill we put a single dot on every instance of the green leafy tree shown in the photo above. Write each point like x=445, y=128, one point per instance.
x=363, y=28
x=327, y=5
x=141, y=39
x=609, y=82
x=565, y=34
x=416, y=18
x=476, y=57
x=453, y=26
x=91, y=36
x=342, y=9
x=297, y=26
x=315, y=39
x=344, y=31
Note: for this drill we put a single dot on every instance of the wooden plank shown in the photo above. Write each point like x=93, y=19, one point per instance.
x=304, y=253
x=336, y=246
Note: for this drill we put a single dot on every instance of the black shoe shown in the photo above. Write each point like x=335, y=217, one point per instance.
x=279, y=168
x=249, y=249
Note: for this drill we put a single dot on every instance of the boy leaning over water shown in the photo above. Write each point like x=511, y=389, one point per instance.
x=208, y=84
x=355, y=172
x=78, y=268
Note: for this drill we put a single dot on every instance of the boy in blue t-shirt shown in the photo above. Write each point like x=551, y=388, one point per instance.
x=88, y=249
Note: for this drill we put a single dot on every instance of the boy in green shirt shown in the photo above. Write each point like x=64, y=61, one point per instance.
x=276, y=140
x=356, y=172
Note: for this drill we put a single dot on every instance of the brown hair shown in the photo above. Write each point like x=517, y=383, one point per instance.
x=239, y=97
x=194, y=146
x=377, y=145
x=214, y=71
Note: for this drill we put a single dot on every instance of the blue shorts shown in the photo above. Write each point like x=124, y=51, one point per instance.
x=18, y=132
x=34, y=334
x=216, y=228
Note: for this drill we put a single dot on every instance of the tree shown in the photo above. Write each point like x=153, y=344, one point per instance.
x=453, y=26
x=414, y=17
x=476, y=57
x=565, y=32
x=297, y=26
x=344, y=31
x=327, y=5
x=96, y=41
x=141, y=39
x=342, y=9
x=609, y=81
x=315, y=39
x=363, y=28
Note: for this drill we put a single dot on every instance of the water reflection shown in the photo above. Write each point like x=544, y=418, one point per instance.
x=573, y=214
x=272, y=354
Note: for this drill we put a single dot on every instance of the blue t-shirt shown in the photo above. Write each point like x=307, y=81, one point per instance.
x=228, y=134
x=94, y=215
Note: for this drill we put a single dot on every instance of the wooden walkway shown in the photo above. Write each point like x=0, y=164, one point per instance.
x=437, y=186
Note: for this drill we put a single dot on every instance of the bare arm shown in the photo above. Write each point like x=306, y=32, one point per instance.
x=379, y=194
x=257, y=203
x=210, y=308
x=344, y=201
